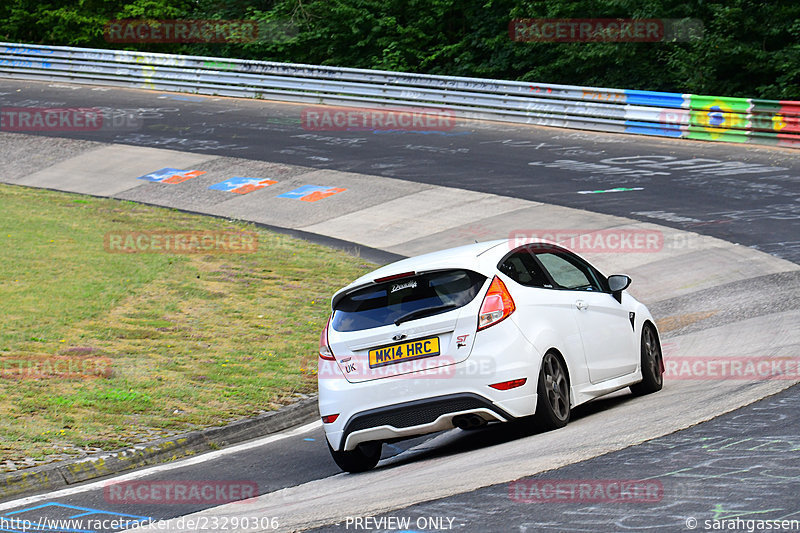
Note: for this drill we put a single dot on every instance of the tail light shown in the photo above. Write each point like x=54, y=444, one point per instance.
x=324, y=349
x=497, y=305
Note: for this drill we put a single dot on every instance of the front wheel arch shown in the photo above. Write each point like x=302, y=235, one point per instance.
x=651, y=361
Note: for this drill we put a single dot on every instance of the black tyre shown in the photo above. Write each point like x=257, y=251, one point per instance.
x=652, y=364
x=363, y=458
x=553, y=407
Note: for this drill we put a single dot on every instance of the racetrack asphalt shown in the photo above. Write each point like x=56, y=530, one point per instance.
x=740, y=194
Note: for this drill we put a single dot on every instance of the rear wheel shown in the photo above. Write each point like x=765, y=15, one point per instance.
x=363, y=458
x=552, y=408
x=652, y=365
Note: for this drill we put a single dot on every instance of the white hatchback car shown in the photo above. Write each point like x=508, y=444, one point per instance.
x=480, y=333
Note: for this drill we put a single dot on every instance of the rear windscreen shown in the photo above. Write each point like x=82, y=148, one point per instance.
x=423, y=295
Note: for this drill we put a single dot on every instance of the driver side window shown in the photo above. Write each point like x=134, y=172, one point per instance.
x=567, y=274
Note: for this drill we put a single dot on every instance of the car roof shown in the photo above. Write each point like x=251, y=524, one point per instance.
x=480, y=257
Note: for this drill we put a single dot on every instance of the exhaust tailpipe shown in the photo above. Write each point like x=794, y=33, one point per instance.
x=469, y=421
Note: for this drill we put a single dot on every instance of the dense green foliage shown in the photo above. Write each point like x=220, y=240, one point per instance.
x=749, y=48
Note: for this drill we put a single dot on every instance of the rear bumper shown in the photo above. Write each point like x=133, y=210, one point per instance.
x=427, y=401
x=417, y=417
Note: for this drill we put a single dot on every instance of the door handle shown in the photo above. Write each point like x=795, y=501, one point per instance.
x=580, y=304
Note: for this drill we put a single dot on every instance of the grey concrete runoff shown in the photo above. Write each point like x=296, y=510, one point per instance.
x=711, y=297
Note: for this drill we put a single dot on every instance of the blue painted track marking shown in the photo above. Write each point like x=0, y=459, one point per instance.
x=39, y=523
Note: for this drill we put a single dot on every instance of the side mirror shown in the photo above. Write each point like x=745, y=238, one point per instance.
x=618, y=283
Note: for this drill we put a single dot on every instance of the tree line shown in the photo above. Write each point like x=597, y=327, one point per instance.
x=747, y=48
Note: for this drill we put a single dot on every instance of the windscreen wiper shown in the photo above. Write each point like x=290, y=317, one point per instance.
x=419, y=313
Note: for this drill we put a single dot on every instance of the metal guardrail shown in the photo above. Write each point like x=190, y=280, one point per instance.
x=665, y=114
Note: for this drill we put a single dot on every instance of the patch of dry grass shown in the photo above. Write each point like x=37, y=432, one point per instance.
x=102, y=350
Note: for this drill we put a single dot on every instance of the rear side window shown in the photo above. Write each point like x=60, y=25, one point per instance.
x=418, y=296
x=522, y=268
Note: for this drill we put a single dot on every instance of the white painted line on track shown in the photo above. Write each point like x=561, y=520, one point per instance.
x=165, y=467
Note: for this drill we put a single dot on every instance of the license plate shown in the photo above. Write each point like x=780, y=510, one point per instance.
x=404, y=351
